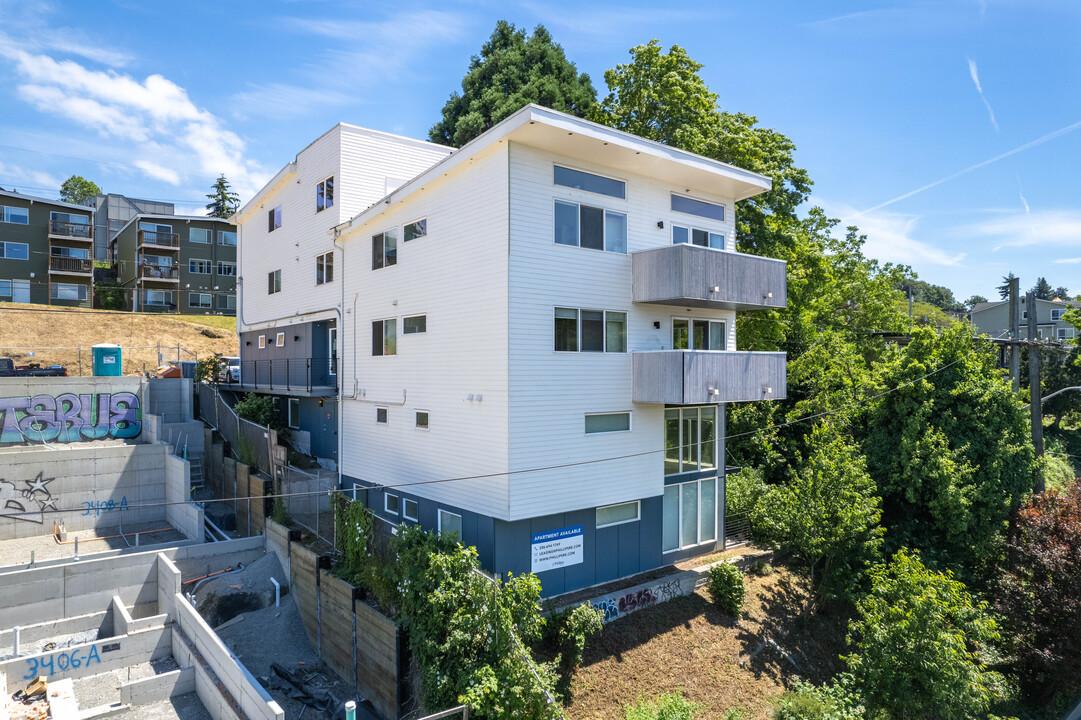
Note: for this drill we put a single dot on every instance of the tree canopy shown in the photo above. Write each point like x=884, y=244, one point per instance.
x=511, y=72
x=1004, y=288
x=76, y=189
x=223, y=201
x=937, y=295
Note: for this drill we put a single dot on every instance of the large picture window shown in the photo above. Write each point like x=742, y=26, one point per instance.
x=590, y=330
x=689, y=514
x=690, y=439
x=590, y=227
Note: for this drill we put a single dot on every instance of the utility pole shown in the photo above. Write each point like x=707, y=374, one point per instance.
x=1015, y=335
x=1036, y=406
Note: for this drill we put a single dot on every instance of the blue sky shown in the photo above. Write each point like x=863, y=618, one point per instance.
x=950, y=132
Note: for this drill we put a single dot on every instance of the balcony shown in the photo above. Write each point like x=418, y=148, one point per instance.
x=70, y=265
x=71, y=231
x=691, y=377
x=687, y=275
x=308, y=376
x=159, y=239
x=150, y=271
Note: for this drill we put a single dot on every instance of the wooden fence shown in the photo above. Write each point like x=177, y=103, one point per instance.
x=355, y=640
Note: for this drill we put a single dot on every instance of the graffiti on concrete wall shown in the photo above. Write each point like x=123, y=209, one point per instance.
x=625, y=602
x=68, y=417
x=27, y=504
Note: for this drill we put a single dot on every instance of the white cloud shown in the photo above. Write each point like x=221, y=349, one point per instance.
x=25, y=27
x=975, y=74
x=12, y=174
x=154, y=122
x=1052, y=228
x=890, y=237
x=1067, y=261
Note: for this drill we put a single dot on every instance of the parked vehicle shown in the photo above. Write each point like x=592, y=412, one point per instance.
x=231, y=366
x=8, y=368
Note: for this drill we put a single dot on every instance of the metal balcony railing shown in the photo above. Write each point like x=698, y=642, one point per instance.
x=288, y=374
x=84, y=231
x=161, y=239
x=70, y=264
x=159, y=272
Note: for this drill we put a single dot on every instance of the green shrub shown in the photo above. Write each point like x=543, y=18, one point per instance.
x=726, y=588
x=761, y=568
x=1056, y=471
x=209, y=369
x=258, y=409
x=743, y=490
x=833, y=701
x=567, y=632
x=669, y=706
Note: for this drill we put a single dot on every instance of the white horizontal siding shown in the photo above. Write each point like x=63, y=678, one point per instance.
x=370, y=158
x=457, y=276
x=551, y=392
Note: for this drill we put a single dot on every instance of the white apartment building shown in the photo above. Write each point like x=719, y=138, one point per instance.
x=536, y=339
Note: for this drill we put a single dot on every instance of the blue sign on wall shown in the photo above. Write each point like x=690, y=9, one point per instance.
x=557, y=548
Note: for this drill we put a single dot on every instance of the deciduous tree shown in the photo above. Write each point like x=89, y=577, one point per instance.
x=511, y=72
x=77, y=188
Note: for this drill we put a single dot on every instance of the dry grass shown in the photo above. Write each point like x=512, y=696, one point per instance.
x=688, y=644
x=39, y=327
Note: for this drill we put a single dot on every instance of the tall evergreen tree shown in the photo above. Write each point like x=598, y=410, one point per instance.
x=223, y=201
x=511, y=72
x=1042, y=289
x=1004, y=288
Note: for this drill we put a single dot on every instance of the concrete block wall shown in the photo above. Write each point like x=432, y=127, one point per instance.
x=125, y=624
x=180, y=513
x=158, y=687
x=98, y=487
x=171, y=398
x=21, y=388
x=31, y=635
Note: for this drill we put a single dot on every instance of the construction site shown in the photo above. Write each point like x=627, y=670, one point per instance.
x=140, y=576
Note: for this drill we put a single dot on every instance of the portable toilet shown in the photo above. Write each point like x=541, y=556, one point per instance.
x=107, y=360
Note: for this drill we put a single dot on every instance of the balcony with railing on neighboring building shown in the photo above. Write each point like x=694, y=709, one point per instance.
x=159, y=239
x=695, y=377
x=313, y=377
x=687, y=275
x=70, y=230
x=70, y=265
x=151, y=271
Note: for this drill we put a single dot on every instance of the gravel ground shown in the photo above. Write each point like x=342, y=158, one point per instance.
x=277, y=635
x=254, y=578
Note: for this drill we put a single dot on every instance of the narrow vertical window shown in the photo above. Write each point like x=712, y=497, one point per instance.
x=592, y=331
x=566, y=330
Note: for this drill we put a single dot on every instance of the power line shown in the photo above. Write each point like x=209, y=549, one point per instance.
x=484, y=476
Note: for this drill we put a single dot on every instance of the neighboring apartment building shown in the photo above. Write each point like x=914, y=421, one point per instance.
x=537, y=340
x=45, y=251
x=291, y=262
x=993, y=318
x=182, y=264
x=112, y=212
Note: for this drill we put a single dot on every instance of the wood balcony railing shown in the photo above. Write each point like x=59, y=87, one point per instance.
x=161, y=239
x=60, y=228
x=71, y=265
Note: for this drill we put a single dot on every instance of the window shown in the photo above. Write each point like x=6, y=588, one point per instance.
x=1024, y=314
x=390, y=503
x=410, y=509
x=17, y=215
x=690, y=439
x=450, y=523
x=228, y=237
x=324, y=268
x=69, y=218
x=384, y=249
x=294, y=413
x=589, y=182
x=689, y=514
x=158, y=297
x=590, y=330
x=324, y=194
x=421, y=420
x=155, y=227
x=704, y=238
x=274, y=282
x=590, y=227
x=262, y=342
x=199, y=235
x=66, y=291
x=691, y=206
x=199, y=300
x=608, y=422
x=227, y=302
x=414, y=324
x=5, y=289
x=617, y=514
x=274, y=219
x=77, y=253
x=1065, y=333
x=159, y=260
x=1056, y=314
x=381, y=415
x=384, y=341
x=227, y=268
x=14, y=251
x=414, y=230
x=279, y=339
x=691, y=334
x=199, y=267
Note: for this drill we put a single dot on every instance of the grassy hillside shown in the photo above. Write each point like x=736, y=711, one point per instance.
x=55, y=334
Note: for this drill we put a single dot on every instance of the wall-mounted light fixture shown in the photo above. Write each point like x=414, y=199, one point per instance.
x=660, y=224
x=656, y=324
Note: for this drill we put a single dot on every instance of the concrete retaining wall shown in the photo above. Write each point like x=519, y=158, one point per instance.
x=356, y=641
x=17, y=394
x=159, y=687
x=180, y=513
x=171, y=398
x=31, y=635
x=36, y=595
x=103, y=487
